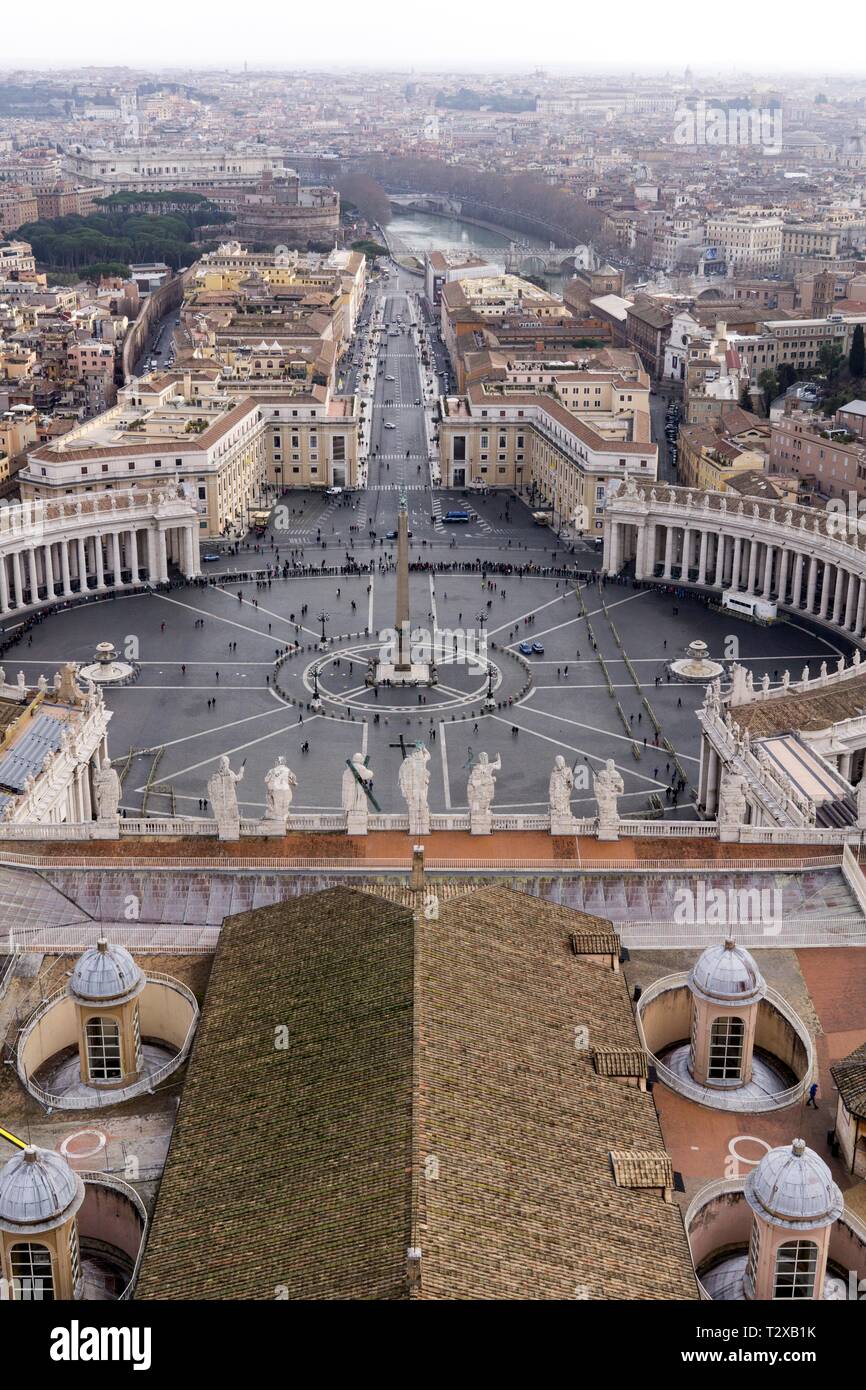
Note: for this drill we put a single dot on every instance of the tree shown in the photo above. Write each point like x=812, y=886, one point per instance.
x=857, y=355
x=829, y=359
x=769, y=384
x=746, y=396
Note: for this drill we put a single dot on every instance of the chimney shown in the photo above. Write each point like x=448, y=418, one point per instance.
x=416, y=880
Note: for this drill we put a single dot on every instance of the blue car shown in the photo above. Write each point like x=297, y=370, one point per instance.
x=525, y=648
x=538, y=649
x=209, y=557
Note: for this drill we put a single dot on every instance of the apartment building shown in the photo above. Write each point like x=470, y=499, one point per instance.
x=18, y=204
x=749, y=239
x=530, y=443
x=225, y=450
x=441, y=267
x=142, y=168
x=17, y=260
x=829, y=463
x=512, y=315
x=799, y=340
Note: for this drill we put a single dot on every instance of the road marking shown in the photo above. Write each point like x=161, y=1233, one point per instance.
x=590, y=757
x=239, y=748
x=512, y=621
x=443, y=751
x=626, y=738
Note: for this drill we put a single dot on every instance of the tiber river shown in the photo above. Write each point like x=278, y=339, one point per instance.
x=429, y=232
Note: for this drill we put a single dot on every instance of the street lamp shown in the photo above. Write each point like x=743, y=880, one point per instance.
x=323, y=618
x=316, y=703
x=489, y=703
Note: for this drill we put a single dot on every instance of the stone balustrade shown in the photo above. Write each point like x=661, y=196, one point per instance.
x=102, y=541
x=804, y=560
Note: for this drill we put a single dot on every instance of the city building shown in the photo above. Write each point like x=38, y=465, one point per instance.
x=224, y=451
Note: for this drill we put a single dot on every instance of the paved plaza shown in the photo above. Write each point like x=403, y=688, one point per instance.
x=230, y=659
x=213, y=679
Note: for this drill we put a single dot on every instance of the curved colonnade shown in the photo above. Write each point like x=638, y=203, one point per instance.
x=806, y=561
x=96, y=543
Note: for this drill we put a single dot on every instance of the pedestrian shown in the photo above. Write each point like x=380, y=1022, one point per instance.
x=183, y=668
x=813, y=1091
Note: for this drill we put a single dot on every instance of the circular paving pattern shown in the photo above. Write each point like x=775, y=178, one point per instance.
x=340, y=678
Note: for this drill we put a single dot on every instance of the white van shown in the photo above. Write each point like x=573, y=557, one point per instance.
x=749, y=606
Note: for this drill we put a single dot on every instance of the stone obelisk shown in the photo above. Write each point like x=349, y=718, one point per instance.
x=401, y=619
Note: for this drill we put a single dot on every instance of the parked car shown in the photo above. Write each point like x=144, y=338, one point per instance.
x=525, y=648
x=538, y=649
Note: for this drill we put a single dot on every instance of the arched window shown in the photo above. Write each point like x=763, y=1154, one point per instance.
x=32, y=1276
x=796, y=1262
x=726, y=1049
x=103, y=1049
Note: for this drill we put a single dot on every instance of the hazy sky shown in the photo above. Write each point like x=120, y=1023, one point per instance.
x=446, y=34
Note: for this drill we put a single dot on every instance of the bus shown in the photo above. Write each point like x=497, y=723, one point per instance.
x=259, y=522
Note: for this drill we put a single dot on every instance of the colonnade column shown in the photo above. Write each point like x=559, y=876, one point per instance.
x=768, y=570
x=64, y=566
x=82, y=566
x=669, y=551
x=34, y=576
x=838, y=594
x=702, y=558
x=850, y=600
x=796, y=592
x=4, y=586
x=115, y=545
x=133, y=555
x=782, y=589
x=48, y=561
x=753, y=565
x=826, y=586
x=735, y=564
x=16, y=580
x=97, y=555
x=812, y=584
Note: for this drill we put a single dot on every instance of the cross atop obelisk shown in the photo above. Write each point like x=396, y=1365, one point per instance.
x=401, y=619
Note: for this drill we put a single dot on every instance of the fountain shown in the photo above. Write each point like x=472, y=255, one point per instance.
x=108, y=668
x=696, y=666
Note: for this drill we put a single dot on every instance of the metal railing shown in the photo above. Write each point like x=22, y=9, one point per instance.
x=728, y=1099
x=97, y=1179
x=94, y=1099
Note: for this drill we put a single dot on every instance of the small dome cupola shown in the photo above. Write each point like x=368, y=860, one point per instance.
x=726, y=987
x=795, y=1202
x=38, y=1191
x=794, y=1188
x=105, y=974
x=105, y=988
x=727, y=974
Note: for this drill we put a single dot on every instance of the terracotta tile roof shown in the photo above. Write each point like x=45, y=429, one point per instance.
x=640, y=1169
x=432, y=1096
x=521, y=1124
x=806, y=710
x=850, y=1078
x=290, y=1167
